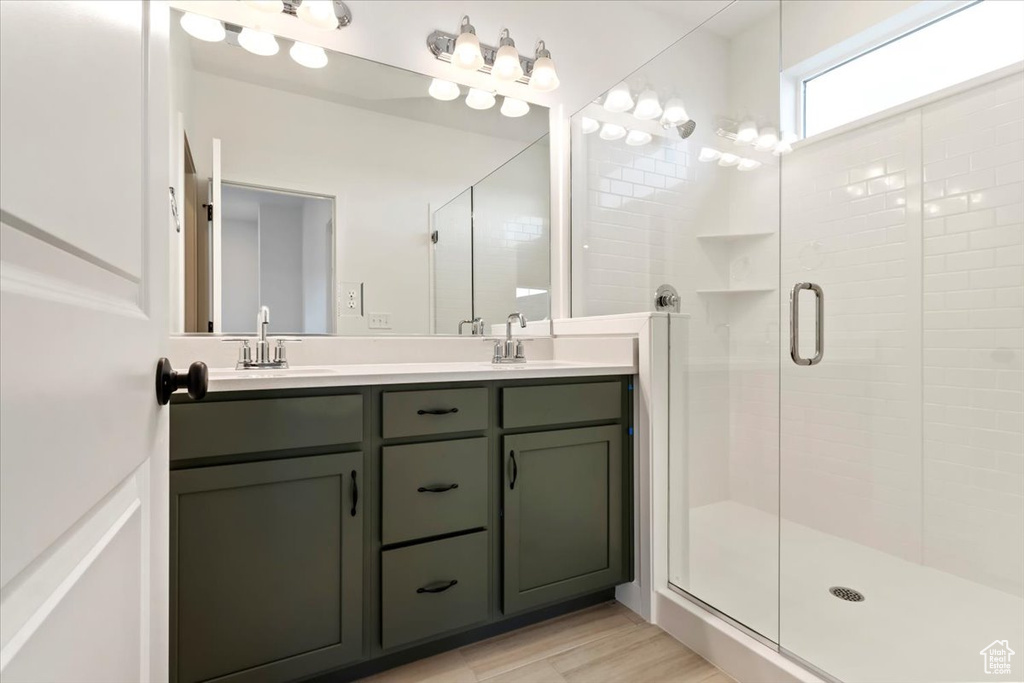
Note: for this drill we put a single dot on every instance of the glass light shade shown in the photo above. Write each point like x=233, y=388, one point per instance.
x=514, y=108
x=612, y=131
x=467, y=53
x=784, y=145
x=675, y=112
x=203, y=28
x=506, y=64
x=589, y=125
x=708, y=154
x=618, y=99
x=479, y=99
x=309, y=56
x=727, y=159
x=766, y=140
x=647, y=106
x=319, y=13
x=748, y=164
x=268, y=6
x=543, y=78
x=443, y=90
x=636, y=138
x=258, y=42
x=746, y=134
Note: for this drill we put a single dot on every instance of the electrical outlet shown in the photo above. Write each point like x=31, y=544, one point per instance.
x=379, y=321
x=350, y=299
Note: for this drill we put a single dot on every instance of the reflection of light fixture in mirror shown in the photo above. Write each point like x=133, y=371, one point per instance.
x=618, y=99
x=588, y=125
x=319, y=13
x=727, y=159
x=636, y=138
x=647, y=106
x=543, y=77
x=467, y=53
x=675, y=112
x=479, y=99
x=784, y=145
x=767, y=139
x=204, y=28
x=268, y=6
x=612, y=131
x=748, y=165
x=708, y=154
x=309, y=56
x=746, y=133
x=258, y=42
x=506, y=62
x=443, y=90
x=514, y=108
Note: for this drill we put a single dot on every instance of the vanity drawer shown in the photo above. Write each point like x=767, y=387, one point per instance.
x=432, y=588
x=434, y=488
x=441, y=411
x=271, y=424
x=560, y=404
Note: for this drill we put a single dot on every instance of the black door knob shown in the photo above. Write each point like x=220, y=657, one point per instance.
x=168, y=381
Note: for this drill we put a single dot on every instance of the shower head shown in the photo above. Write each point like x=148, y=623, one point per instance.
x=686, y=129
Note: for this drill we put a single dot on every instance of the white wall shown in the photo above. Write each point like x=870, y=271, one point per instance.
x=240, y=275
x=317, y=264
x=281, y=274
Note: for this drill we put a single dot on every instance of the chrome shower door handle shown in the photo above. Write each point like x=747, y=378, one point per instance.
x=794, y=324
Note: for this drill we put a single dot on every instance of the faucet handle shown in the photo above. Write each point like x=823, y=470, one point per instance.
x=280, y=351
x=244, y=350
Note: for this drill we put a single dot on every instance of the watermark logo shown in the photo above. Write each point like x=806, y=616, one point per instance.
x=997, y=657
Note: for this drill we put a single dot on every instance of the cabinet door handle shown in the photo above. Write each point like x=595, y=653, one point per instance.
x=515, y=470
x=355, y=493
x=437, y=489
x=437, y=589
x=438, y=411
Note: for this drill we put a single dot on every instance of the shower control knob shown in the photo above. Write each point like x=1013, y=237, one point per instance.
x=666, y=299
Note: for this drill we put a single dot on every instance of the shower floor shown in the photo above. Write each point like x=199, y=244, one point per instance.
x=916, y=623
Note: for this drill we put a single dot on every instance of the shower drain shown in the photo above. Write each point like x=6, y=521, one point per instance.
x=848, y=594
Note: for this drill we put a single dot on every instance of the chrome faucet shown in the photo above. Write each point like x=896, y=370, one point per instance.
x=477, y=326
x=263, y=359
x=510, y=351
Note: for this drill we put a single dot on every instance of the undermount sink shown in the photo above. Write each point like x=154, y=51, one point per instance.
x=296, y=371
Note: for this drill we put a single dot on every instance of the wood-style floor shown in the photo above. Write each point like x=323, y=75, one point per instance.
x=603, y=644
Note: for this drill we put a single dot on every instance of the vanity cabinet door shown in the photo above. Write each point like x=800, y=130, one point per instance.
x=563, y=525
x=266, y=569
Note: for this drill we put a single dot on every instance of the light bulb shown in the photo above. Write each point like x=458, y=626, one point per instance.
x=479, y=99
x=647, y=106
x=727, y=159
x=258, y=42
x=268, y=6
x=618, y=99
x=612, y=131
x=747, y=133
x=708, y=154
x=675, y=112
x=506, y=66
x=588, y=125
x=543, y=77
x=467, y=53
x=747, y=165
x=443, y=90
x=319, y=13
x=514, y=108
x=309, y=56
x=766, y=140
x=204, y=28
x=636, y=138
x=784, y=145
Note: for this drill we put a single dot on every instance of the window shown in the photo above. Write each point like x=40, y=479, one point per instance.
x=979, y=38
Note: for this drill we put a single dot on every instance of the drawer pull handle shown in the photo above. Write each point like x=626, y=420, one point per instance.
x=437, y=489
x=438, y=411
x=515, y=471
x=437, y=589
x=355, y=493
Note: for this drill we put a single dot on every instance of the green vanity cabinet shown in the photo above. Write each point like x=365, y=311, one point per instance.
x=266, y=568
x=563, y=523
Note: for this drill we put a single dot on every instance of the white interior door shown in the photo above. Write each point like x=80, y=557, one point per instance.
x=84, y=229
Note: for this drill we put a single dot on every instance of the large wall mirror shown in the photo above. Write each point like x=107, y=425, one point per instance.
x=348, y=200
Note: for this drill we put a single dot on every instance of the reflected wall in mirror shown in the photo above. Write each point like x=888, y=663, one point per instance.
x=339, y=176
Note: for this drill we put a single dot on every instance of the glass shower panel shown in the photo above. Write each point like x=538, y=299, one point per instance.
x=453, y=264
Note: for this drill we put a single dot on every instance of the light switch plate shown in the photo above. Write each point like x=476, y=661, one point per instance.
x=379, y=321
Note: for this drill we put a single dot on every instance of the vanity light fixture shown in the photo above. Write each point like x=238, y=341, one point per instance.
x=784, y=145
x=507, y=68
x=464, y=51
x=618, y=99
x=708, y=154
x=647, y=106
x=543, y=77
x=728, y=159
x=514, y=108
x=675, y=113
x=319, y=13
x=636, y=138
x=268, y=6
x=325, y=14
x=258, y=42
x=309, y=56
x=588, y=125
x=612, y=131
x=467, y=54
x=748, y=165
x=443, y=90
x=766, y=140
x=479, y=99
x=746, y=134
x=203, y=28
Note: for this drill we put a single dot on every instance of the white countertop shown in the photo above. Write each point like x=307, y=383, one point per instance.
x=310, y=376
